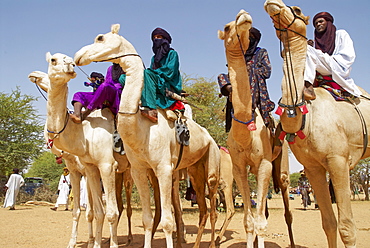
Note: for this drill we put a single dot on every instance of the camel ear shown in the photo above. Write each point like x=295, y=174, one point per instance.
x=115, y=28
x=307, y=20
x=48, y=56
x=221, y=35
x=41, y=79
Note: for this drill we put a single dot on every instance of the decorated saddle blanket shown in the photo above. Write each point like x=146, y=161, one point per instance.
x=332, y=87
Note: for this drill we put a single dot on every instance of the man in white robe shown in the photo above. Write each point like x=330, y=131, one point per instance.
x=333, y=54
x=13, y=185
x=63, y=190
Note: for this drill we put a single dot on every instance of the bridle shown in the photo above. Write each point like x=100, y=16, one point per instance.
x=291, y=109
x=246, y=67
x=121, y=56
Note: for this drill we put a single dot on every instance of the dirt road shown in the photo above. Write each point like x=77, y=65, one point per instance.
x=38, y=226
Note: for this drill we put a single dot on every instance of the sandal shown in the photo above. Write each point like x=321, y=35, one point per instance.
x=151, y=114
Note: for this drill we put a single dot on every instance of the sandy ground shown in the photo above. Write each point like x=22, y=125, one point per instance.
x=38, y=226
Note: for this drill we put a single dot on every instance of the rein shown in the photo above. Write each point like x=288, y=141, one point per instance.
x=121, y=56
x=289, y=66
x=246, y=67
x=64, y=127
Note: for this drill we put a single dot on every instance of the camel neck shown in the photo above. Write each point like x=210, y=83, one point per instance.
x=239, y=79
x=56, y=106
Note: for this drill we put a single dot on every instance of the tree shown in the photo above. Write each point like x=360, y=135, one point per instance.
x=360, y=175
x=294, y=177
x=20, y=131
x=46, y=167
x=203, y=93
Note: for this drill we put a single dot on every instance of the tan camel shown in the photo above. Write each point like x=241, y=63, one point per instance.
x=154, y=146
x=329, y=142
x=81, y=140
x=251, y=143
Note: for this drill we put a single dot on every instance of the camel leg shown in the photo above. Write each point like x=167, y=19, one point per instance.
x=263, y=179
x=141, y=181
x=176, y=203
x=230, y=210
x=128, y=182
x=213, y=178
x=317, y=177
x=89, y=215
x=119, y=184
x=281, y=167
x=94, y=186
x=157, y=200
x=197, y=177
x=108, y=177
x=227, y=178
x=241, y=175
x=75, y=182
x=341, y=184
x=164, y=175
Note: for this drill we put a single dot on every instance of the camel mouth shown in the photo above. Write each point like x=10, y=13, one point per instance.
x=273, y=7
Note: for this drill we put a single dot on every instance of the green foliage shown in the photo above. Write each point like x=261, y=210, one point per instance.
x=20, y=131
x=203, y=93
x=46, y=167
x=360, y=175
x=294, y=177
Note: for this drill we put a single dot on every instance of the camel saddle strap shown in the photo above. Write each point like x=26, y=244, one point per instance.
x=363, y=123
x=182, y=136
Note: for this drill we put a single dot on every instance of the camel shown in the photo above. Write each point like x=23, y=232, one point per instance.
x=81, y=140
x=154, y=146
x=74, y=166
x=343, y=145
x=250, y=141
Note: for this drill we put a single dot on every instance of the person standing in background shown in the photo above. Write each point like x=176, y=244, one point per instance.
x=12, y=187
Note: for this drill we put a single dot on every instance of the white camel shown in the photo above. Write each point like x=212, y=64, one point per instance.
x=73, y=164
x=154, y=146
x=90, y=141
x=327, y=141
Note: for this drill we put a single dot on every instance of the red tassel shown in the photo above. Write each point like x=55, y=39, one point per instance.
x=282, y=135
x=50, y=143
x=301, y=135
x=279, y=111
x=292, y=142
x=252, y=126
x=303, y=109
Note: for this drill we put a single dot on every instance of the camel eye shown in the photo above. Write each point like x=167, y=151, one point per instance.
x=227, y=28
x=53, y=61
x=297, y=11
x=100, y=38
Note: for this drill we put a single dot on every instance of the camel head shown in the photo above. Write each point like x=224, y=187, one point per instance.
x=236, y=33
x=61, y=67
x=287, y=18
x=105, y=47
x=41, y=79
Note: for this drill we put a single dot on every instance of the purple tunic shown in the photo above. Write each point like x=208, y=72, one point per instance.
x=108, y=94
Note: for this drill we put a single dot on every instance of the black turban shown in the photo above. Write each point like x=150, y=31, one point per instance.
x=253, y=42
x=160, y=47
x=96, y=75
x=164, y=33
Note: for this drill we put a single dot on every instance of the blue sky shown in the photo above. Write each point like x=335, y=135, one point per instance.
x=31, y=28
